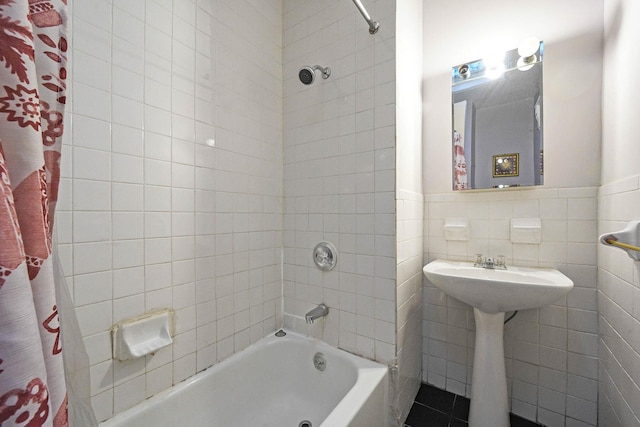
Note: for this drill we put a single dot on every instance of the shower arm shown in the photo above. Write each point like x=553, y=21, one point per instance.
x=373, y=25
x=326, y=71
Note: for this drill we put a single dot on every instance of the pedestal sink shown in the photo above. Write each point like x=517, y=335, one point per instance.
x=491, y=293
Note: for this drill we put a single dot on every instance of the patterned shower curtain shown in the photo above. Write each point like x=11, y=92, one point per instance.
x=459, y=163
x=33, y=50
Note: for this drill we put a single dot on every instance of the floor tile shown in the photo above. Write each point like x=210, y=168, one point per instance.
x=434, y=407
x=435, y=398
x=423, y=416
x=517, y=421
x=461, y=408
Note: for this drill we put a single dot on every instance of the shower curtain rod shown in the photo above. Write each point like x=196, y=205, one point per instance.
x=373, y=25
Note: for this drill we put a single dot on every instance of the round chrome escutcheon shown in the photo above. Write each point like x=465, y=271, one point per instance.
x=325, y=256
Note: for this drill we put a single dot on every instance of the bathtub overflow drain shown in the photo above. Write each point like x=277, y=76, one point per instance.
x=319, y=362
x=305, y=423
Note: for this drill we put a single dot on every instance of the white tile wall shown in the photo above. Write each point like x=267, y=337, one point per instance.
x=619, y=310
x=339, y=165
x=152, y=217
x=550, y=353
x=618, y=275
x=409, y=300
x=409, y=203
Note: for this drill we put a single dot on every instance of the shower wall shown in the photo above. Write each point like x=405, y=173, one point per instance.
x=353, y=176
x=339, y=173
x=172, y=188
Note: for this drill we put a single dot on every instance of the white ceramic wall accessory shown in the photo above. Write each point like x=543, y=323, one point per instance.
x=456, y=229
x=142, y=335
x=526, y=230
x=627, y=239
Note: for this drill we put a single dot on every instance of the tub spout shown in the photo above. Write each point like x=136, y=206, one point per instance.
x=318, y=312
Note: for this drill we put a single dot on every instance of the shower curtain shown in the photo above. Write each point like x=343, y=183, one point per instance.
x=33, y=49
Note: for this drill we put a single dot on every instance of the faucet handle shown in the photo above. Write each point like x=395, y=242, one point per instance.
x=479, y=260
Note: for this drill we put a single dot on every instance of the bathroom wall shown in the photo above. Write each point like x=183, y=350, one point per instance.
x=619, y=198
x=152, y=216
x=550, y=353
x=410, y=208
x=409, y=203
x=572, y=32
x=339, y=173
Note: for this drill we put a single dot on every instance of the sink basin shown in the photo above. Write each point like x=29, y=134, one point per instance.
x=491, y=293
x=495, y=291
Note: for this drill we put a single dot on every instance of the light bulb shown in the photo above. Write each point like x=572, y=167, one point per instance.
x=527, y=50
x=494, y=64
x=528, y=47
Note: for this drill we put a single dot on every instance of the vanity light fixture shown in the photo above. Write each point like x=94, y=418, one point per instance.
x=464, y=71
x=494, y=65
x=527, y=50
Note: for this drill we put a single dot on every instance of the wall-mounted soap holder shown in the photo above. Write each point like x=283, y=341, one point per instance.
x=627, y=239
x=456, y=229
x=142, y=335
x=526, y=230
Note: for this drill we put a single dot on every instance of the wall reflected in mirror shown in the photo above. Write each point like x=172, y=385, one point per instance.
x=497, y=120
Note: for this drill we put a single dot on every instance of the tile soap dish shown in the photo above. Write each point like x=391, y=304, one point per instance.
x=142, y=335
x=456, y=229
x=526, y=230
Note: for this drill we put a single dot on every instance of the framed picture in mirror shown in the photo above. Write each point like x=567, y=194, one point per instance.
x=505, y=165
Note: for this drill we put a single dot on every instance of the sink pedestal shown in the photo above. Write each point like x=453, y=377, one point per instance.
x=491, y=293
x=489, y=401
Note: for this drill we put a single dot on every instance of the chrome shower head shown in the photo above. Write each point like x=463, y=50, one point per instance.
x=307, y=74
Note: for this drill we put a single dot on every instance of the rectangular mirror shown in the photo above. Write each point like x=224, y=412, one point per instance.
x=497, y=120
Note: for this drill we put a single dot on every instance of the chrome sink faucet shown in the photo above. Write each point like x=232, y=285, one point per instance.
x=318, y=312
x=499, y=263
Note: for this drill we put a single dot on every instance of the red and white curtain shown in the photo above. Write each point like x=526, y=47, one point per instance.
x=459, y=163
x=33, y=56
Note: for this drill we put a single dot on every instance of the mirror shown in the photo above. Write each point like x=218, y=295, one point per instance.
x=497, y=120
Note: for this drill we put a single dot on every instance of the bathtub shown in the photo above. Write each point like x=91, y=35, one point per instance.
x=273, y=383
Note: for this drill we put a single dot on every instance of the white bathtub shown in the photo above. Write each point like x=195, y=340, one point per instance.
x=273, y=383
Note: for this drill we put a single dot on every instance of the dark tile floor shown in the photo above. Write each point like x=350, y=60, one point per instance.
x=434, y=407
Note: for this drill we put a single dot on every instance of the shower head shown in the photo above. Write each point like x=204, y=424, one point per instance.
x=307, y=74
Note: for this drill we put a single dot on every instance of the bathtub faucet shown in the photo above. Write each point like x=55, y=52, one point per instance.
x=318, y=312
